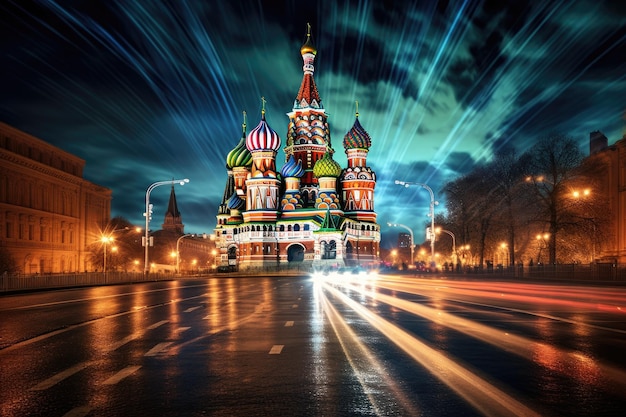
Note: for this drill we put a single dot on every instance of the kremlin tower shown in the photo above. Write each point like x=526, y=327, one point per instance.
x=308, y=213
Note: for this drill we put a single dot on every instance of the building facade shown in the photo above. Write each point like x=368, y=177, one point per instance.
x=49, y=214
x=612, y=247
x=311, y=212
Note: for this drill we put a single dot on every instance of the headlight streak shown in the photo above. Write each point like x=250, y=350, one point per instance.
x=482, y=395
x=573, y=364
x=367, y=369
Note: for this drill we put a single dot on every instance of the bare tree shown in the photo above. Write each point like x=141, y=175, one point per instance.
x=554, y=162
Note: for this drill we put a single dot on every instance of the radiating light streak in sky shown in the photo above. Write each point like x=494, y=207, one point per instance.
x=160, y=86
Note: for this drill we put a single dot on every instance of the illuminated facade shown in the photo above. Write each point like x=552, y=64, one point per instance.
x=613, y=246
x=312, y=211
x=49, y=214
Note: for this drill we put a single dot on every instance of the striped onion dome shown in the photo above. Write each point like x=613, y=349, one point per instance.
x=292, y=168
x=263, y=137
x=240, y=156
x=235, y=202
x=326, y=166
x=357, y=137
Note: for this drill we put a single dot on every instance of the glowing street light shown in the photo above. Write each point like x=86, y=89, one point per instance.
x=105, y=240
x=410, y=234
x=433, y=203
x=148, y=214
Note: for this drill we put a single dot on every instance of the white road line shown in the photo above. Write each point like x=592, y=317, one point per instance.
x=289, y=323
x=129, y=370
x=43, y=385
x=294, y=306
x=181, y=329
x=190, y=309
x=276, y=349
x=158, y=348
x=78, y=411
x=157, y=324
x=120, y=343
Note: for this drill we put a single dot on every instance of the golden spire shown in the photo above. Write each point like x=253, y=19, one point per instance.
x=357, y=108
x=243, y=125
x=263, y=107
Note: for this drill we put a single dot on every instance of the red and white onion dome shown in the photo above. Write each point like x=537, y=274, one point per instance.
x=263, y=137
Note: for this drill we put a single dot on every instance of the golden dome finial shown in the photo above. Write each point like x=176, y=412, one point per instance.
x=243, y=125
x=357, y=108
x=308, y=44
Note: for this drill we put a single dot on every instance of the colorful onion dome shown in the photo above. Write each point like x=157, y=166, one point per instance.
x=326, y=167
x=240, y=156
x=235, y=202
x=308, y=47
x=357, y=137
x=292, y=168
x=263, y=137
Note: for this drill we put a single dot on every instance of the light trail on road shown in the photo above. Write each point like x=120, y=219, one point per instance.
x=366, y=297
x=483, y=395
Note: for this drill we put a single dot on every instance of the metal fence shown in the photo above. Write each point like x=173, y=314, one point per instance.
x=599, y=272
x=10, y=283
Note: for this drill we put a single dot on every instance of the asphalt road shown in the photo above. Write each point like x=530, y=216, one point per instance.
x=332, y=346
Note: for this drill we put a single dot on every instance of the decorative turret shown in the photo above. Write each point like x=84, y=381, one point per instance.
x=292, y=172
x=263, y=142
x=262, y=186
x=358, y=180
x=308, y=135
x=327, y=170
x=239, y=161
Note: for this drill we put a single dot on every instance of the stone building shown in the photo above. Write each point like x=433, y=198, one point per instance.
x=49, y=214
x=613, y=245
x=311, y=211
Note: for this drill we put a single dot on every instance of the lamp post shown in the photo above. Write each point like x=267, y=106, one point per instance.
x=178, y=251
x=105, y=240
x=410, y=235
x=433, y=203
x=456, y=256
x=148, y=212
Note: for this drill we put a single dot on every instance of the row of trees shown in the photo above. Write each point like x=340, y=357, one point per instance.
x=550, y=195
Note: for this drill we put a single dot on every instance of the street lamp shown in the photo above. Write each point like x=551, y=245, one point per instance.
x=178, y=251
x=433, y=203
x=105, y=240
x=148, y=212
x=410, y=234
x=456, y=256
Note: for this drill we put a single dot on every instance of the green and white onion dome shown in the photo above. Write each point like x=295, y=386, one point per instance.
x=240, y=156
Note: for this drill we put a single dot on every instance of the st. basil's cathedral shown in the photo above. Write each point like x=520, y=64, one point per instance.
x=311, y=212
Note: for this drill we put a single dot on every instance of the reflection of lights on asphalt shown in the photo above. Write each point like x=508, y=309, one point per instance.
x=478, y=392
x=473, y=388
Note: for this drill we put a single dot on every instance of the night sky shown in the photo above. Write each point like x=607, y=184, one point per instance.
x=148, y=91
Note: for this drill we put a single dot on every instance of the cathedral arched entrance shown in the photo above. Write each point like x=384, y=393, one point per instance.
x=232, y=257
x=295, y=253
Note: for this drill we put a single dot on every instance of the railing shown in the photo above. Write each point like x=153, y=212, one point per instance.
x=599, y=272
x=10, y=283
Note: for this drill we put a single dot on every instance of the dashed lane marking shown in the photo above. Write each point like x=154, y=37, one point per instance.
x=129, y=370
x=55, y=379
x=294, y=306
x=157, y=349
x=181, y=329
x=157, y=324
x=289, y=323
x=276, y=349
x=78, y=411
x=190, y=309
